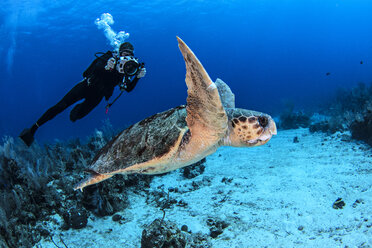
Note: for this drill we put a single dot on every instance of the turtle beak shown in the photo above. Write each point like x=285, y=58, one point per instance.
x=268, y=132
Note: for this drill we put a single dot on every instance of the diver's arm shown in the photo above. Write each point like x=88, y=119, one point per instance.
x=104, y=61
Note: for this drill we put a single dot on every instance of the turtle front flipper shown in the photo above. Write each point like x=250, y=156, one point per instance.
x=92, y=179
x=206, y=116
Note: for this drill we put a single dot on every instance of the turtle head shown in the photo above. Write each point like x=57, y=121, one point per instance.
x=248, y=128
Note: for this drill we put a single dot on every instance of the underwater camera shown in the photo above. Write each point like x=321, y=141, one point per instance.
x=128, y=65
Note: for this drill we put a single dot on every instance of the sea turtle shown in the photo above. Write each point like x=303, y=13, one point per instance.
x=185, y=134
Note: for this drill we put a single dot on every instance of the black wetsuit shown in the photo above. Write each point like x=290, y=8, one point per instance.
x=97, y=83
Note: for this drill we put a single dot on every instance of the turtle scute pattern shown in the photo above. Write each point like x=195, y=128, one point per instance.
x=148, y=139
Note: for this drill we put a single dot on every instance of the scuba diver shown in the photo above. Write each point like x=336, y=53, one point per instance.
x=100, y=78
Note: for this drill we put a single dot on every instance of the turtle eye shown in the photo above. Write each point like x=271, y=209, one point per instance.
x=263, y=121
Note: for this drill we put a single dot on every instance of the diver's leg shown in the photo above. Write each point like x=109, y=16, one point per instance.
x=82, y=109
x=75, y=94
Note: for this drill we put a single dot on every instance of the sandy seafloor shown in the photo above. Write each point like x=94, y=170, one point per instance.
x=281, y=195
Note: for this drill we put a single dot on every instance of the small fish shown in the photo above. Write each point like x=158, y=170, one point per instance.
x=361, y=62
x=328, y=73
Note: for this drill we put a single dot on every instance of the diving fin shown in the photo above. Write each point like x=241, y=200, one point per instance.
x=27, y=136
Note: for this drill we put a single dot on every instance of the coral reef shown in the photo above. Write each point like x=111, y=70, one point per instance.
x=37, y=182
x=294, y=120
x=349, y=110
x=163, y=234
x=75, y=218
x=291, y=119
x=194, y=170
x=361, y=129
x=216, y=226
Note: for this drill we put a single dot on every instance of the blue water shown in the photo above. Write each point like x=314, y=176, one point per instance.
x=267, y=51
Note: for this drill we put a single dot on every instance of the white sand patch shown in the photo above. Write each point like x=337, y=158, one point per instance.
x=277, y=195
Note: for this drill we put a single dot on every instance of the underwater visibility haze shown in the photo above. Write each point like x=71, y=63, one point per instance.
x=266, y=51
x=306, y=64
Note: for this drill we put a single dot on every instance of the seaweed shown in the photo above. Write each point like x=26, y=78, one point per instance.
x=37, y=182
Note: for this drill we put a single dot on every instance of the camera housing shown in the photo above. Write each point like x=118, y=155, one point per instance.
x=128, y=65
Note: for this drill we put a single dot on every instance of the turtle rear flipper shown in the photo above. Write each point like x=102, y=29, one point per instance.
x=206, y=116
x=92, y=179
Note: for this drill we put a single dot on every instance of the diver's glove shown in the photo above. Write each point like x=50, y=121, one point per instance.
x=110, y=64
x=141, y=73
